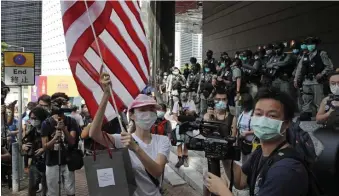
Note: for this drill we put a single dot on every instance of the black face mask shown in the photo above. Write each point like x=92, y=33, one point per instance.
x=209, y=55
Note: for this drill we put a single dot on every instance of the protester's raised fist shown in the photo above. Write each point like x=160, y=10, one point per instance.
x=105, y=82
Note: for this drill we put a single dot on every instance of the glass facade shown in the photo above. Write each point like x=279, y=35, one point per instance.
x=21, y=26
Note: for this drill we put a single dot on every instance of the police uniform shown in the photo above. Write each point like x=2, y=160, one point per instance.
x=312, y=64
x=281, y=68
x=174, y=83
x=206, y=79
x=251, y=73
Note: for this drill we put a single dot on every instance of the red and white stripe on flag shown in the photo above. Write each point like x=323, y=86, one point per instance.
x=123, y=45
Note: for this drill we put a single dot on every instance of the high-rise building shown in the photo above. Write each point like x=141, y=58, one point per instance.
x=187, y=45
x=54, y=57
x=21, y=27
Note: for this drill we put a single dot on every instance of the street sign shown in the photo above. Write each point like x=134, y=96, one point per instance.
x=19, y=68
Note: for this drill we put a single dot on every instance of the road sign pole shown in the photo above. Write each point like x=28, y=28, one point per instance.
x=15, y=167
x=21, y=160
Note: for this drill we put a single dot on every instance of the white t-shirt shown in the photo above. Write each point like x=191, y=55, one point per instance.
x=189, y=105
x=159, y=144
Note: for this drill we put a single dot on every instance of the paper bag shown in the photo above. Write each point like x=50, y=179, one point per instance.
x=108, y=176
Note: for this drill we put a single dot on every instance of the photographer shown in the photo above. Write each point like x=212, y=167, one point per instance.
x=273, y=114
x=149, y=153
x=183, y=107
x=329, y=103
x=32, y=147
x=59, y=131
x=44, y=101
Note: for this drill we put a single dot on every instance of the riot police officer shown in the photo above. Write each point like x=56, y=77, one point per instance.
x=174, y=83
x=162, y=88
x=211, y=61
x=186, y=71
x=280, y=67
x=312, y=71
x=192, y=83
x=205, y=87
x=249, y=71
x=266, y=79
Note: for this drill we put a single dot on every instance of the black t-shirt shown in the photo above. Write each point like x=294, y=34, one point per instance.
x=48, y=130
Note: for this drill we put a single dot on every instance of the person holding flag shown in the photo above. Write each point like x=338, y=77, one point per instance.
x=149, y=152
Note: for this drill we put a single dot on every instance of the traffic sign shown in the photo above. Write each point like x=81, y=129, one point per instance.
x=19, y=68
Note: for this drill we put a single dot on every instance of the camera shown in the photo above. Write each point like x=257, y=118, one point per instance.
x=213, y=138
x=57, y=106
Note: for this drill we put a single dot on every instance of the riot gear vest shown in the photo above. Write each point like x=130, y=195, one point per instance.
x=312, y=67
x=177, y=82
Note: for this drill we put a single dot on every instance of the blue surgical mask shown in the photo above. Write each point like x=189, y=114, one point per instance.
x=244, y=58
x=295, y=51
x=207, y=69
x=266, y=128
x=311, y=47
x=220, y=105
x=303, y=46
x=222, y=65
x=160, y=114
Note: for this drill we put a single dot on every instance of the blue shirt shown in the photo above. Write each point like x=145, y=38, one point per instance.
x=13, y=127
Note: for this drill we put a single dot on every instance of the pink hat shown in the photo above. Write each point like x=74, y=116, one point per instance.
x=143, y=100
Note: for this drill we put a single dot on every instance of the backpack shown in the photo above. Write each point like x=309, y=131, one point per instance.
x=301, y=142
x=314, y=188
x=159, y=128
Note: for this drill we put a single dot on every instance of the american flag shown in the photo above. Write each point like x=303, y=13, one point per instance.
x=122, y=43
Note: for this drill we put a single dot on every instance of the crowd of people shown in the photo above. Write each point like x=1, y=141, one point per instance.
x=250, y=94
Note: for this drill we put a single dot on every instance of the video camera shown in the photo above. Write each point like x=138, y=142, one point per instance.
x=214, y=139
x=57, y=106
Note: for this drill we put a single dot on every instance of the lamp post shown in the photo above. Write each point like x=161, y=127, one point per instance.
x=18, y=161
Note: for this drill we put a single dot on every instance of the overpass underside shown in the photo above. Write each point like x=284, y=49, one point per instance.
x=234, y=26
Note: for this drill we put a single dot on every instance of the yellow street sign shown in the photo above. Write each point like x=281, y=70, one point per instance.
x=19, y=59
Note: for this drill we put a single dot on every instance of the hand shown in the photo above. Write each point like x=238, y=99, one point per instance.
x=216, y=185
x=57, y=134
x=105, y=82
x=60, y=125
x=295, y=84
x=128, y=141
x=39, y=152
x=12, y=105
x=26, y=146
x=335, y=103
x=318, y=76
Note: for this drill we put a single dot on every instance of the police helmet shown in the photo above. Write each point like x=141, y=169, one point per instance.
x=247, y=53
x=269, y=47
x=279, y=45
x=312, y=40
x=193, y=60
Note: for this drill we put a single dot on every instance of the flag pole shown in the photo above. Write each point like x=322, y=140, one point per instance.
x=102, y=68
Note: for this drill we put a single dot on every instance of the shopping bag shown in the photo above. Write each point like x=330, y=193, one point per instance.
x=109, y=172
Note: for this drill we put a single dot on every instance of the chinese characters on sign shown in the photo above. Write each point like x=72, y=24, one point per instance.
x=19, y=68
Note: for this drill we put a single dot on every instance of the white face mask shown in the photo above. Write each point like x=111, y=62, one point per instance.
x=145, y=120
x=334, y=89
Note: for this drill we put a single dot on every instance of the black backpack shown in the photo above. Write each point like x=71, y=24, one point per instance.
x=302, y=142
x=314, y=188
